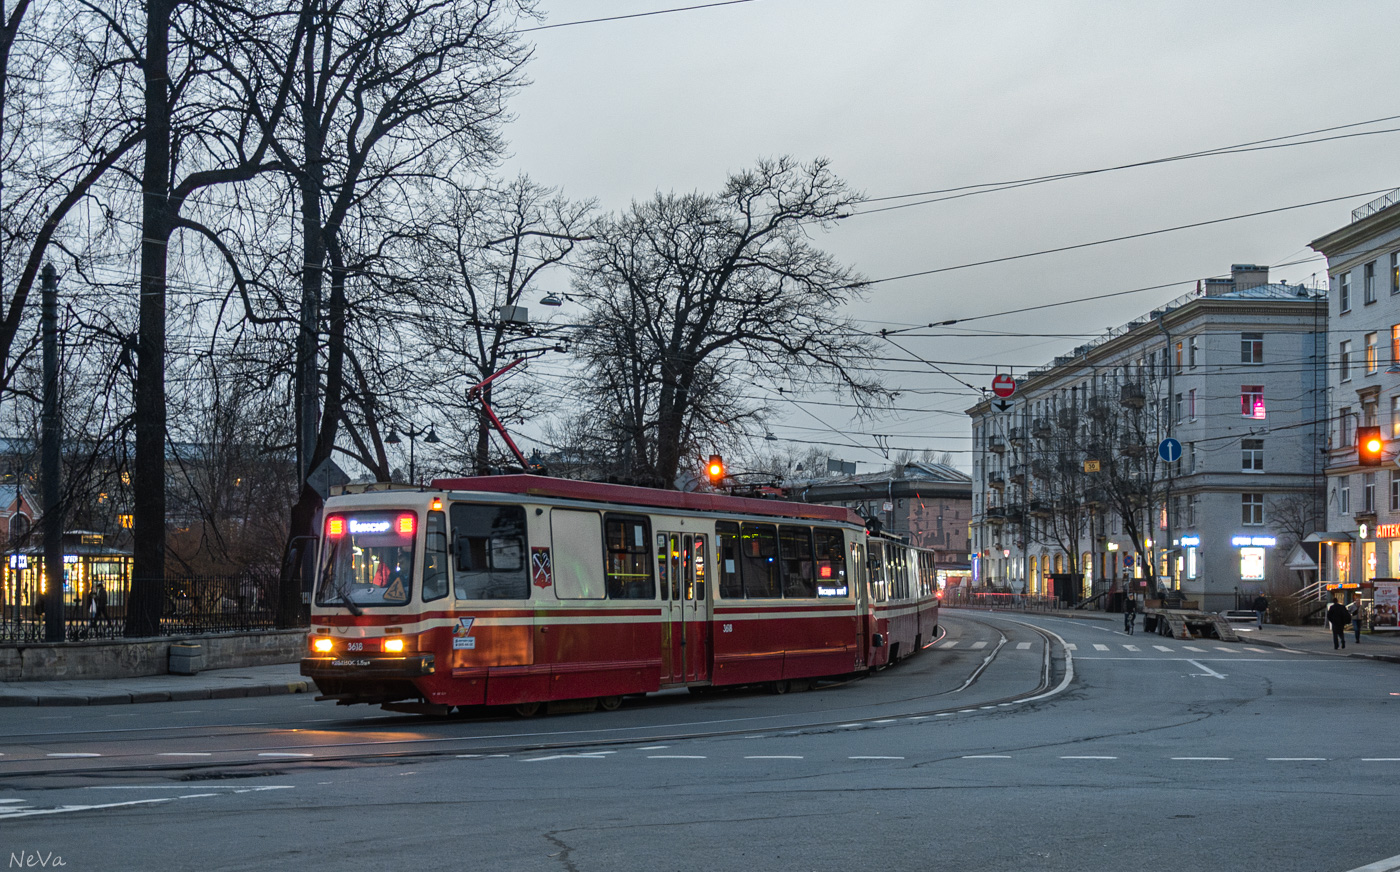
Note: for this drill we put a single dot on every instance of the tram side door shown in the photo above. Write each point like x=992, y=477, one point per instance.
x=685, y=605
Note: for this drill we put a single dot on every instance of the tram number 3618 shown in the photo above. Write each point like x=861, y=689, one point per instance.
x=727, y=628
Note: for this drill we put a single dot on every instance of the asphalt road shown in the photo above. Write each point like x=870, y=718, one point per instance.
x=991, y=750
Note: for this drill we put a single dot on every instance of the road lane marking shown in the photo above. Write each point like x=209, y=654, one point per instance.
x=1226, y=650
x=674, y=757
x=774, y=757
x=952, y=644
x=1206, y=669
x=1087, y=757
x=1023, y=646
x=1390, y=864
x=565, y=757
x=654, y=748
x=72, y=808
x=1098, y=647
x=74, y=755
x=978, y=645
x=186, y=754
x=1380, y=759
x=1203, y=758
x=986, y=757
x=1290, y=759
x=1258, y=650
x=1070, y=646
x=284, y=754
x=1164, y=648
x=1132, y=647
x=874, y=758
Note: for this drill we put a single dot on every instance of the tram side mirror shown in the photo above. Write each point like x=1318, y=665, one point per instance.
x=877, y=640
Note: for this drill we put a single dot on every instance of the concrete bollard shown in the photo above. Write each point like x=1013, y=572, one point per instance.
x=186, y=659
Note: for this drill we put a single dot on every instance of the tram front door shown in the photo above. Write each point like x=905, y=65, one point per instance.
x=685, y=647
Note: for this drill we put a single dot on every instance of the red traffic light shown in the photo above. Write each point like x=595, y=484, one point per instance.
x=1370, y=447
x=714, y=470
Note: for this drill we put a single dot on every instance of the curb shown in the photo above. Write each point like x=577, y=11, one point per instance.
x=278, y=689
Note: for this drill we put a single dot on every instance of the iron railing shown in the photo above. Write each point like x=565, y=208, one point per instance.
x=191, y=605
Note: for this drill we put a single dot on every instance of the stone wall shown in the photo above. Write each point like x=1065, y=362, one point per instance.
x=130, y=658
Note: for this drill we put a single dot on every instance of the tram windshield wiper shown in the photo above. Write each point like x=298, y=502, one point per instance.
x=328, y=579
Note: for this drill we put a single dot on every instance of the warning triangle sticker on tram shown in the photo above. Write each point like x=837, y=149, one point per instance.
x=395, y=591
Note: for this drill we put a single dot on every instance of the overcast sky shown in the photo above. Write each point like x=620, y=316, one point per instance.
x=905, y=96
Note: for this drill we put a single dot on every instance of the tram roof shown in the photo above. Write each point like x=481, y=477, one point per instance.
x=598, y=492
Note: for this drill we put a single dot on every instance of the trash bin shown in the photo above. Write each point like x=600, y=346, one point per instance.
x=186, y=659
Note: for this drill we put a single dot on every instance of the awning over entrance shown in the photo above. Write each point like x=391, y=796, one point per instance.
x=1329, y=537
x=1300, y=560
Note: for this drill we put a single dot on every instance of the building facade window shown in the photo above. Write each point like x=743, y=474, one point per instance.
x=1344, y=360
x=1252, y=509
x=1368, y=282
x=1252, y=401
x=1344, y=427
x=1180, y=409
x=1193, y=352
x=1368, y=493
x=1251, y=348
x=1395, y=272
x=1191, y=404
x=1395, y=417
x=1344, y=292
x=1344, y=497
x=1252, y=455
x=1372, y=354
x=1395, y=490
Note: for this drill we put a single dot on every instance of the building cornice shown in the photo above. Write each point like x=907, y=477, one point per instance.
x=1346, y=238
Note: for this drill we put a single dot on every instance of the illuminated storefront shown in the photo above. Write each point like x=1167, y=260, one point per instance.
x=87, y=562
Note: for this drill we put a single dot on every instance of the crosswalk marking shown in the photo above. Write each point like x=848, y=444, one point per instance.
x=1257, y=650
x=1070, y=646
x=1132, y=647
x=1194, y=648
x=1163, y=648
x=1098, y=647
x=952, y=644
x=1023, y=646
x=1226, y=650
x=979, y=644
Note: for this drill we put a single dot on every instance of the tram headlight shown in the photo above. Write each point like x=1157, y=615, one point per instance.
x=393, y=646
x=323, y=644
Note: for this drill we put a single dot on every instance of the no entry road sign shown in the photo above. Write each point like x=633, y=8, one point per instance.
x=1003, y=385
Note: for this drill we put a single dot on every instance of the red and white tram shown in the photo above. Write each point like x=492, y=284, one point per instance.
x=520, y=590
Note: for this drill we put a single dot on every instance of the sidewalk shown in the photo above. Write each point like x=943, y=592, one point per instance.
x=211, y=684
x=1318, y=640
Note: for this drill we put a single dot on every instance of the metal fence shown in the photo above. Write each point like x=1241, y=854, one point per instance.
x=191, y=605
x=992, y=600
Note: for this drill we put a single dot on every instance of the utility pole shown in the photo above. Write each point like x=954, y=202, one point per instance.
x=53, y=508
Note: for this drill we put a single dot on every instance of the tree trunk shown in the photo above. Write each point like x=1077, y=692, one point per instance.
x=148, y=473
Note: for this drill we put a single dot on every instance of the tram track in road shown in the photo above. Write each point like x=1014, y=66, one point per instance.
x=268, y=750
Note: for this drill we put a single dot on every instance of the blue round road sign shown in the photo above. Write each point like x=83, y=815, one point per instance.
x=1169, y=450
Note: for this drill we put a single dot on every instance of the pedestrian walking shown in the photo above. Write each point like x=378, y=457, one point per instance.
x=1356, y=622
x=100, y=594
x=1261, y=606
x=1338, y=617
x=1129, y=614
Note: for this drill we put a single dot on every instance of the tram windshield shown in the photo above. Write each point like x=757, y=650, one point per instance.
x=368, y=560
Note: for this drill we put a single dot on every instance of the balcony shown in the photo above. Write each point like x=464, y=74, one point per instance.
x=996, y=443
x=1041, y=508
x=1016, y=436
x=1042, y=469
x=996, y=480
x=1132, y=395
x=996, y=514
x=1099, y=407
x=1041, y=428
x=1018, y=474
x=1065, y=417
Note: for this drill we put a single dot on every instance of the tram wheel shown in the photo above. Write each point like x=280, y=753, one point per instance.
x=800, y=685
x=527, y=709
x=609, y=703
x=780, y=686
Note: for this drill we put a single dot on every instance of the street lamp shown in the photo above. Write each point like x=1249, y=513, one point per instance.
x=431, y=438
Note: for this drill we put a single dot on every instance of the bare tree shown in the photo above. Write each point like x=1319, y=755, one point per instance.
x=695, y=295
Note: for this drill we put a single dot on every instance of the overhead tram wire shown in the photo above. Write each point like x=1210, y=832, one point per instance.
x=632, y=15
x=962, y=191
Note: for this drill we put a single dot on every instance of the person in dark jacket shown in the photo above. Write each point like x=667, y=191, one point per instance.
x=1261, y=605
x=1129, y=614
x=1356, y=622
x=1338, y=617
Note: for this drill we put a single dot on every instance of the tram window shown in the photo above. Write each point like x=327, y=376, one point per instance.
x=628, y=561
x=899, y=573
x=731, y=583
x=795, y=544
x=758, y=550
x=435, y=571
x=368, y=561
x=489, y=552
x=879, y=592
x=831, y=562
x=577, y=560
x=700, y=566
